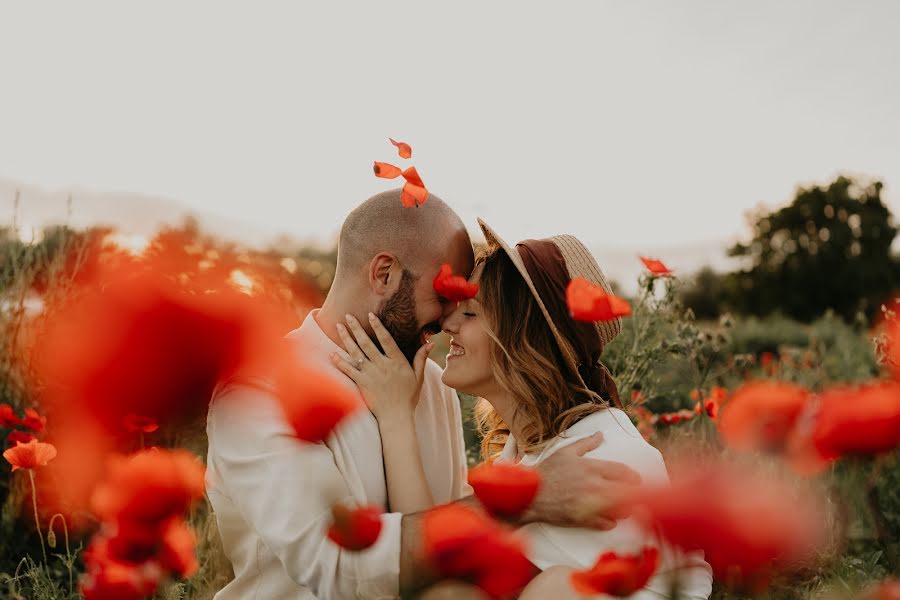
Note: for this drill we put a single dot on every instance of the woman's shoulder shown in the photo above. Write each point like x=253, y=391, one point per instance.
x=622, y=442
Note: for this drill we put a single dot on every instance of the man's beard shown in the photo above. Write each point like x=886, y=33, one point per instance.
x=398, y=315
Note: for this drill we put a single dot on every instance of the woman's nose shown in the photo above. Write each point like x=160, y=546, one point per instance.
x=450, y=323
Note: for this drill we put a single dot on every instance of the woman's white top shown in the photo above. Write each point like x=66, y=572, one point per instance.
x=550, y=545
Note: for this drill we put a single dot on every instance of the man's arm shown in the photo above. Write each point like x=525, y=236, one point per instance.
x=575, y=492
x=284, y=490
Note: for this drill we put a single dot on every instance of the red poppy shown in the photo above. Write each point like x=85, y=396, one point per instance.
x=454, y=288
x=761, y=415
x=8, y=416
x=505, y=489
x=403, y=149
x=711, y=407
x=386, y=170
x=858, y=420
x=766, y=359
x=30, y=455
x=355, y=529
x=738, y=517
x=589, y=302
x=34, y=421
x=141, y=493
x=617, y=575
x=655, y=266
x=177, y=549
x=118, y=580
x=314, y=401
x=695, y=395
x=16, y=436
x=134, y=423
x=461, y=543
x=413, y=195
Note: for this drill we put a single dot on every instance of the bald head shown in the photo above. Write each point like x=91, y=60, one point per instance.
x=418, y=237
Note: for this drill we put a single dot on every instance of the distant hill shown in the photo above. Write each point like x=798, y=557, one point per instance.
x=135, y=213
x=143, y=214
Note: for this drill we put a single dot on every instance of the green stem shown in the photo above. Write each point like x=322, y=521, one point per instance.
x=37, y=520
x=68, y=552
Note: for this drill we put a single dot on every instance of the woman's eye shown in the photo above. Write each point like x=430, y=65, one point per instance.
x=469, y=314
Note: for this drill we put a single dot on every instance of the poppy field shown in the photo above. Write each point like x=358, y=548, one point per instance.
x=781, y=438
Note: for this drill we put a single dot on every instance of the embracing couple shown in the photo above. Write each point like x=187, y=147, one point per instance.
x=545, y=401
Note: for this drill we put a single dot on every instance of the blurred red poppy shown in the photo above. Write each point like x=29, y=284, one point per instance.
x=386, y=170
x=142, y=492
x=739, y=518
x=461, y=543
x=762, y=414
x=134, y=423
x=454, y=288
x=139, y=345
x=355, y=529
x=177, y=549
x=589, y=302
x=8, y=416
x=505, y=489
x=16, y=436
x=655, y=266
x=110, y=579
x=617, y=575
x=403, y=149
x=314, y=401
x=30, y=455
x=858, y=420
x=711, y=407
x=34, y=421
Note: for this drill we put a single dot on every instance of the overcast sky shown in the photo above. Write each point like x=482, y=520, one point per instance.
x=627, y=123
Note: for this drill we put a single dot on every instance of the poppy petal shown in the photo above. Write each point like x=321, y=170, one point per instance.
x=403, y=149
x=386, y=170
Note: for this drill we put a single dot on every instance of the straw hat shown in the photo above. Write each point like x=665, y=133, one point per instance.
x=580, y=263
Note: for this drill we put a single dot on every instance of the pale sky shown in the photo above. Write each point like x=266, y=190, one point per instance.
x=626, y=123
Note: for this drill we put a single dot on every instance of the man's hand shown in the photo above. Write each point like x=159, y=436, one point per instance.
x=581, y=492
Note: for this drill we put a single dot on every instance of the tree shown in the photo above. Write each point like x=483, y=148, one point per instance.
x=829, y=248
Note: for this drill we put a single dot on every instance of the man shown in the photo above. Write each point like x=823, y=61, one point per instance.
x=272, y=494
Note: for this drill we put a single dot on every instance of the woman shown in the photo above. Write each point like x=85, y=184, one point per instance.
x=542, y=386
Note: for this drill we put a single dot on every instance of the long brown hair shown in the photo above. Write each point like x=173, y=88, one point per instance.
x=526, y=361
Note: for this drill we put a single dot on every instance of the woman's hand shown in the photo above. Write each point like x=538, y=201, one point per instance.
x=389, y=385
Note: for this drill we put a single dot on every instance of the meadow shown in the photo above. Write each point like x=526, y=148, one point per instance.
x=677, y=374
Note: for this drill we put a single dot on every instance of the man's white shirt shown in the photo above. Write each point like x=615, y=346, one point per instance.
x=272, y=494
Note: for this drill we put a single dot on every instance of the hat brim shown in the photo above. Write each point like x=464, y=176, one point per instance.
x=493, y=238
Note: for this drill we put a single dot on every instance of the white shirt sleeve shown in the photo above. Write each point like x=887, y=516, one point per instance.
x=284, y=489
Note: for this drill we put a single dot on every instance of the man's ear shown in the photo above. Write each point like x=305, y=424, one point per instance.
x=384, y=273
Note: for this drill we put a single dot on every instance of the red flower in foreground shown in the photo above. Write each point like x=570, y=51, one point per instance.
x=617, y=575
x=8, y=416
x=762, y=415
x=505, y=489
x=589, y=302
x=143, y=492
x=15, y=437
x=858, y=420
x=176, y=554
x=34, y=421
x=355, y=529
x=30, y=455
x=313, y=401
x=462, y=543
x=110, y=579
x=747, y=525
x=386, y=170
x=454, y=288
x=134, y=423
x=403, y=149
x=655, y=266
